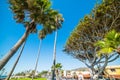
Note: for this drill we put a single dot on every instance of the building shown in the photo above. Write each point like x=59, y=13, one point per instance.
x=109, y=72
x=113, y=71
x=75, y=72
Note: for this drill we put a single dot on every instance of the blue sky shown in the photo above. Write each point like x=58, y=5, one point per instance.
x=11, y=32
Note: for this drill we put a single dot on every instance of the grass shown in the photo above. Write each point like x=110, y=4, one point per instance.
x=29, y=79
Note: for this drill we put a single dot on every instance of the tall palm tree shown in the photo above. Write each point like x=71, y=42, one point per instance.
x=56, y=67
x=42, y=35
x=54, y=58
x=9, y=75
x=30, y=13
x=57, y=23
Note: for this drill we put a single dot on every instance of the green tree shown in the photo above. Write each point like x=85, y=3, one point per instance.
x=42, y=35
x=80, y=45
x=21, y=73
x=92, y=28
x=107, y=15
x=110, y=43
x=57, y=69
x=31, y=13
x=54, y=50
x=43, y=73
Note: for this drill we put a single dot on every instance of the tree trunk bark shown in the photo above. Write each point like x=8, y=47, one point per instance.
x=9, y=75
x=5, y=59
x=54, y=57
x=37, y=59
x=91, y=73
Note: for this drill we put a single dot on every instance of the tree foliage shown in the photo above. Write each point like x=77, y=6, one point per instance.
x=31, y=13
x=36, y=12
x=57, y=66
x=43, y=72
x=110, y=43
x=92, y=28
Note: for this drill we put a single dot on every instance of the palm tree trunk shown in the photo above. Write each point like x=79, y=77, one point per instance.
x=40, y=44
x=54, y=57
x=9, y=75
x=5, y=59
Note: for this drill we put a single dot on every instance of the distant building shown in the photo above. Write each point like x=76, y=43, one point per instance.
x=110, y=71
x=113, y=71
x=75, y=72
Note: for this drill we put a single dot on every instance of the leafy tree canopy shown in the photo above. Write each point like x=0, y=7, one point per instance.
x=37, y=11
x=92, y=28
x=110, y=43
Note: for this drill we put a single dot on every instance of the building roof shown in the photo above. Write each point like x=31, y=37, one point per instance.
x=79, y=69
x=116, y=66
x=86, y=69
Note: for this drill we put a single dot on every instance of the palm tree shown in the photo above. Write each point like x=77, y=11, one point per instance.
x=57, y=67
x=42, y=35
x=30, y=13
x=9, y=75
x=57, y=23
x=54, y=58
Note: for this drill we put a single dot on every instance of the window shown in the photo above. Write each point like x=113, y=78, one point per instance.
x=113, y=70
